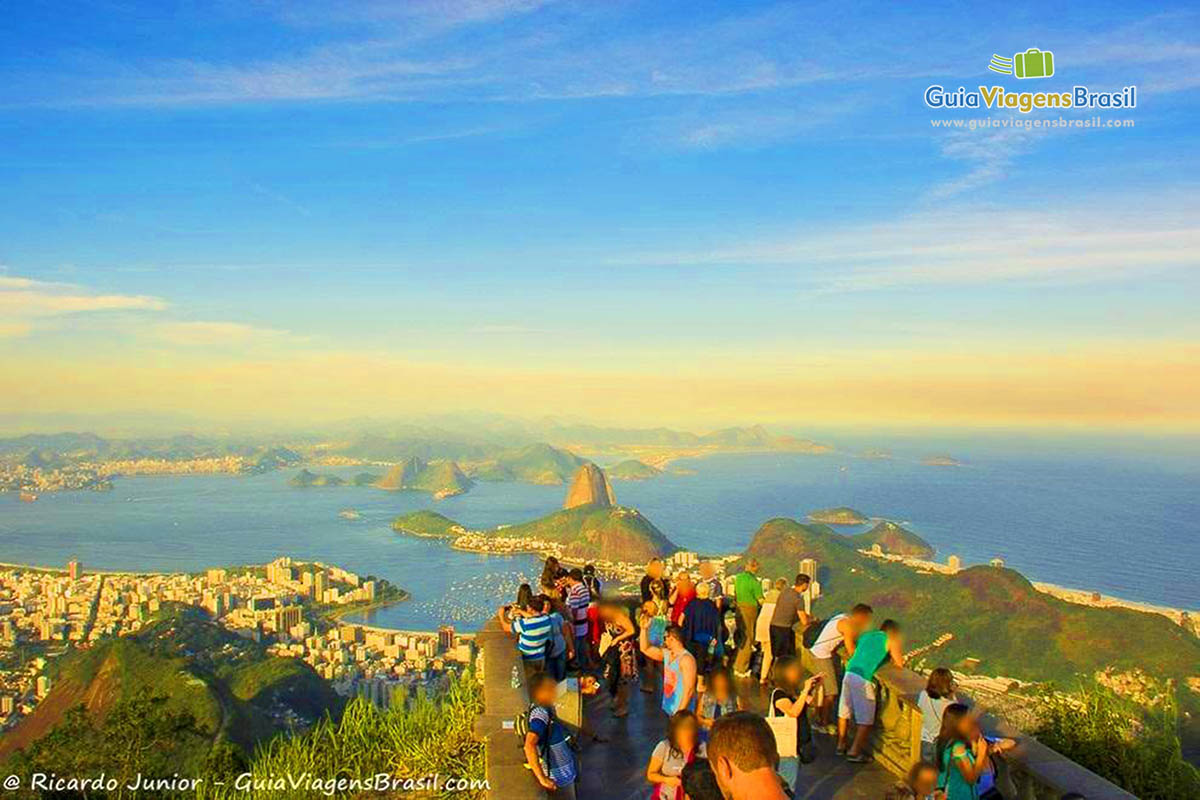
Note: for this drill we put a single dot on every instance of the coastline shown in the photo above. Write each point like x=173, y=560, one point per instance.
x=1085, y=597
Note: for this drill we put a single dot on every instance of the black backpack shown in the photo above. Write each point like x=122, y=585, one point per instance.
x=522, y=728
x=812, y=631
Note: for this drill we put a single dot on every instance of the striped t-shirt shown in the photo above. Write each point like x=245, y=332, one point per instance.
x=533, y=633
x=553, y=745
x=578, y=598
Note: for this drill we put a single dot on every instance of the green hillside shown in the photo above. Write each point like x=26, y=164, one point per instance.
x=426, y=523
x=310, y=480
x=535, y=463
x=438, y=477
x=401, y=475
x=994, y=614
x=895, y=540
x=364, y=479
x=610, y=533
x=839, y=515
x=632, y=470
x=210, y=687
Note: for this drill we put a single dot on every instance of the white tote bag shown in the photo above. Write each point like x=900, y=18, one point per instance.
x=785, y=728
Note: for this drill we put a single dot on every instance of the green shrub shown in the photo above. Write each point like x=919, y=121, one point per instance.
x=1135, y=747
x=411, y=740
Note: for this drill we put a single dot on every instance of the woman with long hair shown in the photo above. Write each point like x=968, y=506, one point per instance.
x=552, y=572
x=524, y=595
x=681, y=747
x=620, y=657
x=790, y=697
x=939, y=692
x=961, y=753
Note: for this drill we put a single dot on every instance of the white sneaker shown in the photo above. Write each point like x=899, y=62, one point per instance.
x=741, y=674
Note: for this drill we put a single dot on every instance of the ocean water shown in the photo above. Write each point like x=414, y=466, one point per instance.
x=1123, y=524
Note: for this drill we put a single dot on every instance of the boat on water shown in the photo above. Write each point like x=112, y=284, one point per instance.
x=349, y=513
x=27, y=497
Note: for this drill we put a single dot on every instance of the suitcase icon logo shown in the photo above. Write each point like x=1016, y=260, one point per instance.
x=1033, y=63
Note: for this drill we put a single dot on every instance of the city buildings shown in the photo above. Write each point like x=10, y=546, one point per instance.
x=289, y=606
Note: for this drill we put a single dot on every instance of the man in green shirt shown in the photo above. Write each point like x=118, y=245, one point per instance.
x=857, y=705
x=748, y=596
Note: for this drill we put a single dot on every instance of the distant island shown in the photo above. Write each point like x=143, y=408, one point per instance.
x=440, y=478
x=841, y=515
x=941, y=461
x=428, y=525
x=309, y=480
x=633, y=470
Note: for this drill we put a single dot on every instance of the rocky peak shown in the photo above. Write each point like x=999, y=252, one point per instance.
x=589, y=487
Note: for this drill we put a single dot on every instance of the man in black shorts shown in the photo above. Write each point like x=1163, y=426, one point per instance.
x=789, y=609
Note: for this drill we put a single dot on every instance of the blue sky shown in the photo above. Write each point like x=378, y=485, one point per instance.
x=734, y=197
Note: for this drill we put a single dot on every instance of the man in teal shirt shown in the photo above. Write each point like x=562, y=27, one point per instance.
x=857, y=704
x=748, y=595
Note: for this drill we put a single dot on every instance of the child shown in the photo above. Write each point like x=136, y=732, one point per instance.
x=718, y=698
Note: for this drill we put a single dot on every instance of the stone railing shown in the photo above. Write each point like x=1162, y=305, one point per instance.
x=1038, y=772
x=500, y=666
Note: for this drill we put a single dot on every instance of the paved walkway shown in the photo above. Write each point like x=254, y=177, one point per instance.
x=616, y=769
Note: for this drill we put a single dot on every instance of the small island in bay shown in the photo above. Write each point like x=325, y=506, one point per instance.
x=427, y=525
x=840, y=515
x=440, y=478
x=941, y=461
x=633, y=470
x=308, y=480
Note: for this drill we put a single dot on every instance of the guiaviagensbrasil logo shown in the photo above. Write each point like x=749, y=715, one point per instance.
x=1033, y=63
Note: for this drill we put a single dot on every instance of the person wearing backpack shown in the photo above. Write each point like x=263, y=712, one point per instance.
x=549, y=753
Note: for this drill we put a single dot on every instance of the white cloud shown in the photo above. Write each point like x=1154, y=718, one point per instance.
x=973, y=245
x=24, y=302
x=988, y=153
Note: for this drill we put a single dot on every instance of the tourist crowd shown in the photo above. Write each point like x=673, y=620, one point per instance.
x=707, y=652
